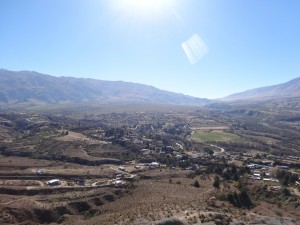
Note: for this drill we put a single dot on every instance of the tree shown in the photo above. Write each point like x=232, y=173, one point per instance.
x=240, y=200
x=286, y=178
x=236, y=199
x=293, y=178
x=233, y=169
x=208, y=150
x=245, y=199
x=257, y=156
x=196, y=184
x=286, y=192
x=230, y=198
x=226, y=175
x=216, y=183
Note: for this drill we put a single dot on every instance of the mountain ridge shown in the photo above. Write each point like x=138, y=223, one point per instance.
x=32, y=88
x=284, y=90
x=37, y=88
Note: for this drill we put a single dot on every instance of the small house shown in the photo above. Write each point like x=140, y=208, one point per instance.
x=122, y=168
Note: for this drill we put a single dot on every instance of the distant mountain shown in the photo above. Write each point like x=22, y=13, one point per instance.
x=285, y=90
x=32, y=88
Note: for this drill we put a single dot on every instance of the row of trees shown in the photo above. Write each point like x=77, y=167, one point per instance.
x=226, y=171
x=240, y=200
x=286, y=177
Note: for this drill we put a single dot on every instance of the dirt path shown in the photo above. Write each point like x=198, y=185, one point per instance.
x=222, y=149
x=119, y=171
x=10, y=202
x=103, y=183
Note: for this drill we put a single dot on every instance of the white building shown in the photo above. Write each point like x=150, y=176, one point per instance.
x=53, y=182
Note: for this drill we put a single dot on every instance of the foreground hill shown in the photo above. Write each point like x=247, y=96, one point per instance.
x=285, y=90
x=17, y=88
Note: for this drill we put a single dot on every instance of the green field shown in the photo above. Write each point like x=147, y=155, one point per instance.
x=213, y=136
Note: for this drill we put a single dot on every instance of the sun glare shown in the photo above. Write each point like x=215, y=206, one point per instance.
x=144, y=8
x=146, y=4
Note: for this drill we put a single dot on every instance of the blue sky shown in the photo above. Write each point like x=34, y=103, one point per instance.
x=235, y=44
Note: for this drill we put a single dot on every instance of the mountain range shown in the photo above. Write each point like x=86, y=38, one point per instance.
x=289, y=89
x=35, y=88
x=28, y=88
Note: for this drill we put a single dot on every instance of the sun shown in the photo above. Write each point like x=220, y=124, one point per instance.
x=144, y=8
x=147, y=4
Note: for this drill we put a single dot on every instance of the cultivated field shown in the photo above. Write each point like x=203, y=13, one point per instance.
x=213, y=136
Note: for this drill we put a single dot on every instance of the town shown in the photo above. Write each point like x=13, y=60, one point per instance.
x=87, y=163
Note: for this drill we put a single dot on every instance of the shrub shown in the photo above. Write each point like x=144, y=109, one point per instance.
x=216, y=183
x=196, y=184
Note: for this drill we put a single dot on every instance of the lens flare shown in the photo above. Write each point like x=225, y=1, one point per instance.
x=195, y=48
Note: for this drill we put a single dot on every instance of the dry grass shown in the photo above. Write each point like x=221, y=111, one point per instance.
x=14, y=161
x=157, y=199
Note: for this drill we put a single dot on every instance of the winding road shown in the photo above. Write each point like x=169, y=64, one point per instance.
x=222, y=149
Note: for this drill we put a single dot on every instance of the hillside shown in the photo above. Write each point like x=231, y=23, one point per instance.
x=17, y=88
x=285, y=90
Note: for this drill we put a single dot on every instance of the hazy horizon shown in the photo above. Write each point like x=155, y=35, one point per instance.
x=205, y=49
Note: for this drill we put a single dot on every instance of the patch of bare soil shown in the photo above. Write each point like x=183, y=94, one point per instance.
x=56, y=208
x=72, y=136
x=264, y=209
x=156, y=199
x=18, y=162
